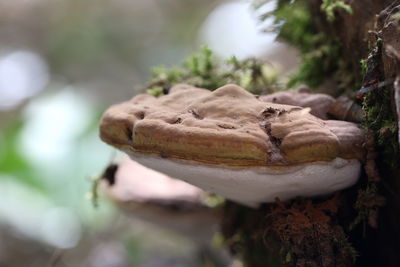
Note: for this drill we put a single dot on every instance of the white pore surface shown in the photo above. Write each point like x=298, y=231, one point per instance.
x=254, y=185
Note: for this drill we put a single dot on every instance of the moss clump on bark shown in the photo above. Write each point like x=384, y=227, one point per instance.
x=205, y=71
x=330, y=6
x=378, y=106
x=321, y=54
x=380, y=119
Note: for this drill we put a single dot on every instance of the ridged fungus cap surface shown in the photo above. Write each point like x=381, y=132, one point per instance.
x=228, y=126
x=318, y=103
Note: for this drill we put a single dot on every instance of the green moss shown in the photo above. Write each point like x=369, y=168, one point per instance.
x=381, y=119
x=205, y=71
x=317, y=64
x=380, y=116
x=395, y=16
x=363, y=64
x=93, y=195
x=330, y=6
x=155, y=91
x=294, y=24
x=344, y=244
x=321, y=55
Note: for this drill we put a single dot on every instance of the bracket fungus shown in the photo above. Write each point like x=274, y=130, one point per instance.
x=152, y=197
x=230, y=142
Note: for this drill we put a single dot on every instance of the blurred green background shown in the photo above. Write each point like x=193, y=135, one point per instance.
x=62, y=63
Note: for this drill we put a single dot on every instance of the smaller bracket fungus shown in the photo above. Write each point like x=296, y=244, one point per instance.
x=233, y=144
x=153, y=197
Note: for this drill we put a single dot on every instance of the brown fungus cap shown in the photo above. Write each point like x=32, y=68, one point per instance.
x=228, y=126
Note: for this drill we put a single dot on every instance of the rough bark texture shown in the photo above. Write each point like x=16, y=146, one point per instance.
x=296, y=233
x=301, y=232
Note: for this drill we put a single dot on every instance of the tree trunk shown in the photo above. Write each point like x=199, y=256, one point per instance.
x=359, y=226
x=372, y=32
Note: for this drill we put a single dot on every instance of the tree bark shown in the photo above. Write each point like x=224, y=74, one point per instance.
x=363, y=221
x=375, y=25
